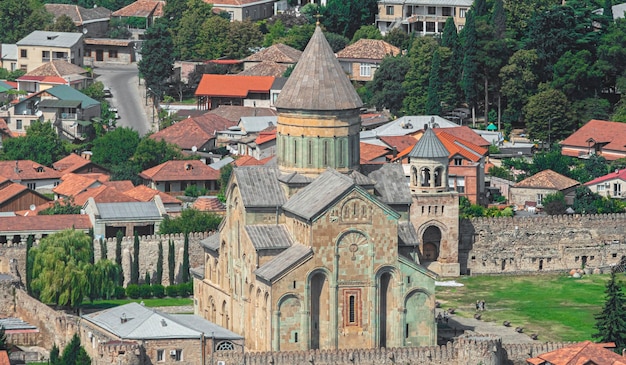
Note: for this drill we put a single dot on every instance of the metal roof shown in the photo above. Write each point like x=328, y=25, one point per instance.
x=269, y=236
x=429, y=146
x=391, y=183
x=12, y=324
x=129, y=210
x=133, y=321
x=221, y=163
x=9, y=51
x=283, y=262
x=212, y=242
x=257, y=124
x=65, y=92
x=51, y=103
x=319, y=194
x=318, y=82
x=51, y=39
x=259, y=186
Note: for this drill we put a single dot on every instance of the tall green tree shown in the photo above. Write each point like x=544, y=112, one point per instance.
x=150, y=153
x=433, y=103
x=346, y=16
x=214, y=37
x=158, y=277
x=171, y=261
x=367, y=32
x=185, y=265
x=386, y=87
x=54, y=355
x=63, y=24
x=577, y=75
x=547, y=116
x=519, y=81
x=29, y=263
x=4, y=343
x=20, y=17
x=611, y=322
x=103, y=249
x=74, y=353
x=470, y=65
x=186, y=38
x=41, y=144
x=134, y=271
x=157, y=62
x=416, y=80
x=400, y=38
x=115, y=147
x=243, y=37
x=118, y=255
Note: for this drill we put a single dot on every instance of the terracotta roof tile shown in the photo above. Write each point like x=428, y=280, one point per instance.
x=27, y=170
x=231, y=2
x=279, y=53
x=611, y=134
x=233, y=85
x=370, y=152
x=103, y=194
x=70, y=163
x=37, y=223
x=265, y=136
x=457, y=146
x=547, y=179
x=465, y=133
x=181, y=170
x=58, y=68
x=585, y=352
x=108, y=42
x=234, y=112
x=209, y=204
x=4, y=358
x=121, y=185
x=11, y=190
x=142, y=9
x=193, y=131
x=265, y=68
x=74, y=184
x=400, y=142
x=368, y=49
x=146, y=194
x=247, y=161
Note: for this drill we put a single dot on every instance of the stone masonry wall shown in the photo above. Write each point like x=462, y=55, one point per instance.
x=539, y=244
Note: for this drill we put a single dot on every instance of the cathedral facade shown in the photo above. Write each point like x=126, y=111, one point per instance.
x=319, y=252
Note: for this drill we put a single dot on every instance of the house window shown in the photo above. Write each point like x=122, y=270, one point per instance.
x=179, y=355
x=231, y=15
x=352, y=307
x=45, y=56
x=365, y=70
x=112, y=53
x=60, y=55
x=87, y=52
x=160, y=355
x=601, y=187
x=446, y=11
x=458, y=161
x=617, y=189
x=23, y=53
x=432, y=10
x=18, y=124
x=389, y=10
x=462, y=12
x=31, y=186
x=539, y=199
x=460, y=184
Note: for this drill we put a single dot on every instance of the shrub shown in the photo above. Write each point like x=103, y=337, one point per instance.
x=120, y=292
x=132, y=291
x=172, y=291
x=183, y=290
x=158, y=290
x=145, y=291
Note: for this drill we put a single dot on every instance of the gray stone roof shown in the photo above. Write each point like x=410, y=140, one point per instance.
x=212, y=242
x=429, y=146
x=259, y=186
x=133, y=321
x=319, y=194
x=318, y=82
x=51, y=39
x=361, y=179
x=15, y=324
x=130, y=210
x=269, y=236
x=391, y=183
x=407, y=236
x=295, y=178
x=283, y=262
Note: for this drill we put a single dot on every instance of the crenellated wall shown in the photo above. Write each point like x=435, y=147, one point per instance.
x=541, y=244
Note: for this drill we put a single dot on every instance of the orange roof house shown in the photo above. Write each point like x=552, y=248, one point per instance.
x=371, y=153
x=15, y=197
x=78, y=165
x=30, y=174
x=216, y=90
x=361, y=59
x=74, y=184
x=41, y=224
x=597, y=137
x=177, y=175
x=198, y=131
x=149, y=9
x=534, y=188
x=582, y=353
x=143, y=193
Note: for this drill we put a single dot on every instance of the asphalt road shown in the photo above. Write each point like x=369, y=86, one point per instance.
x=127, y=97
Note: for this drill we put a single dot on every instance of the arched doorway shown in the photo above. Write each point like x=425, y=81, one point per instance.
x=384, y=298
x=431, y=242
x=320, y=308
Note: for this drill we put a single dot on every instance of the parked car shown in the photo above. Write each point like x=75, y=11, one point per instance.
x=114, y=111
x=107, y=92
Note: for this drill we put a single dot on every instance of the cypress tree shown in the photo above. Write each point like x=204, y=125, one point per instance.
x=134, y=271
x=103, y=250
x=171, y=261
x=185, y=268
x=607, y=11
x=158, y=278
x=91, y=235
x=118, y=255
x=74, y=353
x=29, y=263
x=147, y=278
x=54, y=355
x=480, y=8
x=433, y=103
x=611, y=322
x=498, y=19
x=469, y=66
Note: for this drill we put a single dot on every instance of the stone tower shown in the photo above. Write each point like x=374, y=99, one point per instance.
x=435, y=208
x=318, y=115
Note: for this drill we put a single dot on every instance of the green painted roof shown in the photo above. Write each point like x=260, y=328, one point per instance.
x=64, y=92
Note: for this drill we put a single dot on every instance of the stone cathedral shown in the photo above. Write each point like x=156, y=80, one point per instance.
x=319, y=252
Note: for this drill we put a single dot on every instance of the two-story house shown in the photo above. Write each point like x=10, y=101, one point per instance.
x=245, y=10
x=420, y=16
x=53, y=73
x=361, y=59
x=40, y=47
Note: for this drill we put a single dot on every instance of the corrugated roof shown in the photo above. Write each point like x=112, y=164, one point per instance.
x=132, y=210
x=269, y=236
x=283, y=262
x=51, y=39
x=319, y=194
x=429, y=146
x=259, y=186
x=12, y=323
x=51, y=103
x=318, y=82
x=65, y=92
x=257, y=124
x=391, y=183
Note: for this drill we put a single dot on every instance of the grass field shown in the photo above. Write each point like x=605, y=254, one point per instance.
x=155, y=302
x=557, y=307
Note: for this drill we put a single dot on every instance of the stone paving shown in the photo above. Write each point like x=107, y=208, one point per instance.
x=456, y=325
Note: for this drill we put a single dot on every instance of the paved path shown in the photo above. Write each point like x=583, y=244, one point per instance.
x=459, y=324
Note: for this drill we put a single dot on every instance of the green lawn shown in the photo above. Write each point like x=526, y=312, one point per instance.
x=155, y=302
x=557, y=307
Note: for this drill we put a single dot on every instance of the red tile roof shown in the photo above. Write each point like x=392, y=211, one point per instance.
x=193, y=131
x=18, y=170
x=209, y=204
x=457, y=146
x=547, y=179
x=465, y=133
x=142, y=9
x=181, y=170
x=400, y=142
x=248, y=161
x=619, y=174
x=103, y=194
x=265, y=136
x=11, y=190
x=4, y=358
x=233, y=85
x=72, y=162
x=146, y=194
x=370, y=152
x=121, y=185
x=612, y=134
x=368, y=49
x=37, y=223
x=581, y=353
x=74, y=184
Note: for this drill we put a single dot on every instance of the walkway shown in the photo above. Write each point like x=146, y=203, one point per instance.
x=456, y=325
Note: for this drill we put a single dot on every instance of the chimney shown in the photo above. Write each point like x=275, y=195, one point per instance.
x=17, y=169
x=394, y=152
x=123, y=318
x=425, y=127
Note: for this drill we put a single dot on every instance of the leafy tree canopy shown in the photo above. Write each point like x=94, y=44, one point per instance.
x=115, y=147
x=150, y=153
x=611, y=322
x=157, y=62
x=386, y=87
x=346, y=16
x=41, y=144
x=62, y=207
x=367, y=32
x=21, y=17
x=190, y=220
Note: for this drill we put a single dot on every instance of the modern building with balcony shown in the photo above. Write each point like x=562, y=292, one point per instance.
x=41, y=47
x=424, y=17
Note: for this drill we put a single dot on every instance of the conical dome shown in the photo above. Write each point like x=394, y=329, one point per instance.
x=429, y=146
x=318, y=82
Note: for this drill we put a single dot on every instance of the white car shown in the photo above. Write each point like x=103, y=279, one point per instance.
x=114, y=111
